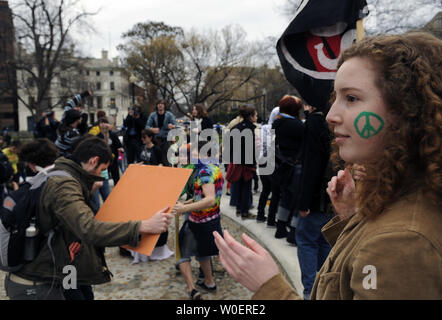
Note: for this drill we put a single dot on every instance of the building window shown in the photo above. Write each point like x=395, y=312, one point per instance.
x=112, y=101
x=90, y=102
x=31, y=123
x=10, y=100
x=88, y=73
x=31, y=83
x=99, y=102
x=98, y=86
x=111, y=72
x=92, y=117
x=112, y=86
x=31, y=101
x=98, y=73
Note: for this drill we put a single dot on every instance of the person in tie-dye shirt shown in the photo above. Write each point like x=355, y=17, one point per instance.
x=204, y=217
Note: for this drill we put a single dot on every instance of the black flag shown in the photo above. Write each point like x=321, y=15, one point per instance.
x=310, y=47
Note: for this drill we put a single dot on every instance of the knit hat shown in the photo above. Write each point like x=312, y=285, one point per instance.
x=76, y=100
x=71, y=116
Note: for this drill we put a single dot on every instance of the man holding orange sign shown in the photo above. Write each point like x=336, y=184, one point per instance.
x=78, y=238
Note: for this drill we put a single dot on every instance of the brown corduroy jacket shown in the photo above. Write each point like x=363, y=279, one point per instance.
x=397, y=255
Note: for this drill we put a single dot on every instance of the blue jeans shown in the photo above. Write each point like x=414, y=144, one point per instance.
x=104, y=191
x=313, y=249
x=288, y=201
x=244, y=192
x=235, y=196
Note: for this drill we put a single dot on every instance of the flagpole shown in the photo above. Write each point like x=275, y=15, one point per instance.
x=177, y=237
x=360, y=32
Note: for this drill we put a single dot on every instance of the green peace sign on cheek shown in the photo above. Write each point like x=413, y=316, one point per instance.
x=368, y=124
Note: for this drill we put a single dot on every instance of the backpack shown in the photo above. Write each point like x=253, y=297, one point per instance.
x=19, y=209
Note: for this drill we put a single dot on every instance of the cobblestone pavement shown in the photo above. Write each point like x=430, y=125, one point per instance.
x=154, y=280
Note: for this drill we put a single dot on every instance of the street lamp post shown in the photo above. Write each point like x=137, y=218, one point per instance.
x=132, y=80
x=264, y=94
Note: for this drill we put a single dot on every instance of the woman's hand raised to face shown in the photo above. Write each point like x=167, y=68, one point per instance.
x=252, y=266
x=342, y=192
x=359, y=172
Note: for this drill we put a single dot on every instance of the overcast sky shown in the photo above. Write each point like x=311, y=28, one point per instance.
x=259, y=18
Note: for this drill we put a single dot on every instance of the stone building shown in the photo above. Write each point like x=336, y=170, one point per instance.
x=110, y=86
x=105, y=78
x=8, y=82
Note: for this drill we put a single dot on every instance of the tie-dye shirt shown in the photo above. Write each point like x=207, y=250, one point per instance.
x=210, y=173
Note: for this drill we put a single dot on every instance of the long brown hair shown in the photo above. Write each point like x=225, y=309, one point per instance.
x=201, y=111
x=409, y=78
x=246, y=111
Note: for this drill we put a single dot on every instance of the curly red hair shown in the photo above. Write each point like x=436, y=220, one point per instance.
x=409, y=76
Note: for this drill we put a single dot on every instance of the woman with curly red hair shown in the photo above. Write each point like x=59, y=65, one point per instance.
x=386, y=236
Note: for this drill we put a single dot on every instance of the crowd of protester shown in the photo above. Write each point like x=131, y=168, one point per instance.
x=70, y=142
x=305, y=194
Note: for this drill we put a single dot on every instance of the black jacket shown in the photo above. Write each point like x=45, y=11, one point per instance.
x=83, y=127
x=206, y=123
x=246, y=148
x=289, y=134
x=6, y=171
x=46, y=131
x=134, y=126
x=315, y=159
x=151, y=156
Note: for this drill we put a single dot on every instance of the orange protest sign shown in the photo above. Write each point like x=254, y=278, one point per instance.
x=140, y=193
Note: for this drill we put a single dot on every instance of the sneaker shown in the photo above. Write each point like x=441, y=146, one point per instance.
x=228, y=193
x=247, y=215
x=261, y=219
x=195, y=295
x=202, y=284
x=238, y=213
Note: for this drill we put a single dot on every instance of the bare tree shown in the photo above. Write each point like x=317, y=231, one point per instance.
x=151, y=52
x=218, y=65
x=192, y=67
x=386, y=16
x=45, y=48
x=393, y=17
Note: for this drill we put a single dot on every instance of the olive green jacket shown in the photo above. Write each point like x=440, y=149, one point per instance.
x=64, y=205
x=398, y=255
